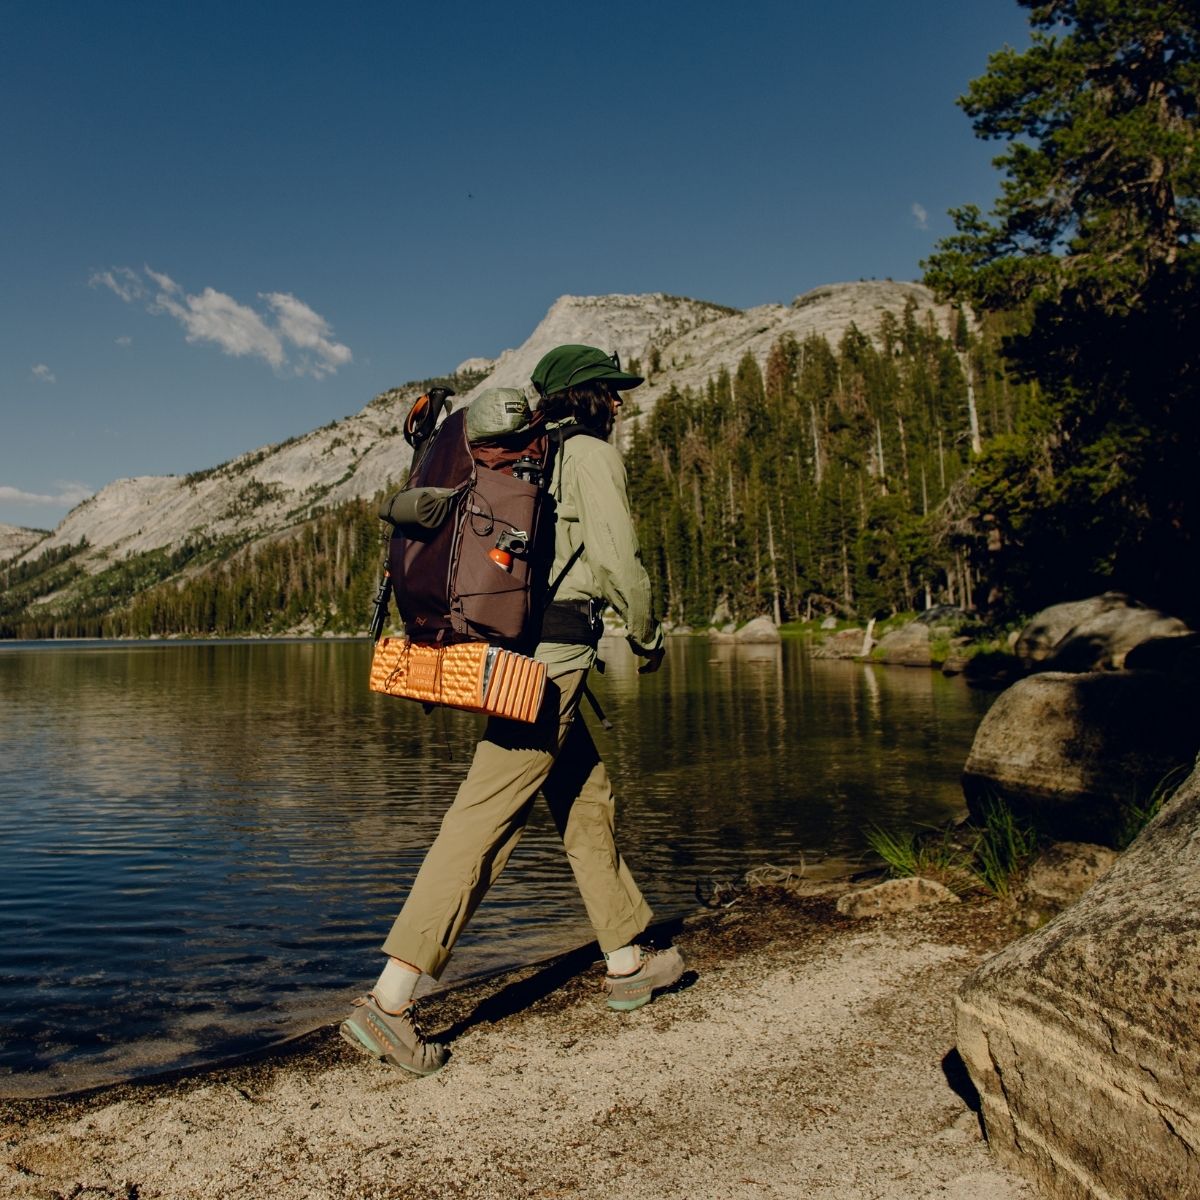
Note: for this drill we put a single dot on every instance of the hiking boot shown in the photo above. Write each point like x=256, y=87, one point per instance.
x=393, y=1038
x=659, y=969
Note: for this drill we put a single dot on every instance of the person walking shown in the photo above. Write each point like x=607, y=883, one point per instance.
x=596, y=563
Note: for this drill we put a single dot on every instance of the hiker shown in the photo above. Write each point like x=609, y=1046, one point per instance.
x=596, y=553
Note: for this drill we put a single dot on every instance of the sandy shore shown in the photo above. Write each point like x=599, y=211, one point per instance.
x=803, y=1055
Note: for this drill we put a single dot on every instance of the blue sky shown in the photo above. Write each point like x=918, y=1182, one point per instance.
x=225, y=224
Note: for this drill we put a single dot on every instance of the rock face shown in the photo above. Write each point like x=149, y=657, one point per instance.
x=896, y=895
x=1090, y=635
x=1072, y=754
x=1083, y=1038
x=16, y=539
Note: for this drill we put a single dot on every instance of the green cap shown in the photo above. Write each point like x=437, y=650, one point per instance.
x=565, y=366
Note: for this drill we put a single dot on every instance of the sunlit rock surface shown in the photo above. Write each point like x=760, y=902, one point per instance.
x=16, y=540
x=1084, y=1037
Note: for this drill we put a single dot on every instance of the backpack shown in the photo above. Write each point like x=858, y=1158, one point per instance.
x=473, y=528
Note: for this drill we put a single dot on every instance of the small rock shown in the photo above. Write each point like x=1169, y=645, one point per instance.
x=1058, y=877
x=908, y=646
x=829, y=623
x=846, y=643
x=896, y=895
x=958, y=657
x=759, y=630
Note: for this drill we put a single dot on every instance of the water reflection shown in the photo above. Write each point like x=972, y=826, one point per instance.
x=201, y=845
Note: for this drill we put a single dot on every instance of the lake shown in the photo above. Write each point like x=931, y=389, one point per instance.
x=202, y=844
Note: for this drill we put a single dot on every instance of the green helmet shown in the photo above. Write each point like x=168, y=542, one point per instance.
x=565, y=366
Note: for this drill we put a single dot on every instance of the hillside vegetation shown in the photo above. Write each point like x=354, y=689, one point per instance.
x=831, y=482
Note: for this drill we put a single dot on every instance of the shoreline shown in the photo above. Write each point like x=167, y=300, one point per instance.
x=802, y=1052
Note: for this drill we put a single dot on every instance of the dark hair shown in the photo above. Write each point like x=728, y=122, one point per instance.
x=588, y=403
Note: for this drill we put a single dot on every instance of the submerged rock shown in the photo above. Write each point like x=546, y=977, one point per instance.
x=1083, y=1039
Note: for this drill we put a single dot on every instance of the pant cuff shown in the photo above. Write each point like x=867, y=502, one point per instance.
x=626, y=931
x=415, y=948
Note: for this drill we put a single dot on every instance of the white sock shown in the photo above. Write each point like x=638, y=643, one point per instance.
x=624, y=961
x=395, y=987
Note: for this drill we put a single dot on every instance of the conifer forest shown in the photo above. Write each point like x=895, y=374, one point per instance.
x=832, y=483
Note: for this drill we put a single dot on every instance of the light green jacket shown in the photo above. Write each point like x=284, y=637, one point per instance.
x=589, y=485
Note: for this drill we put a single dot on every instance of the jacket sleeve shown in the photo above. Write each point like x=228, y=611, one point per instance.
x=610, y=545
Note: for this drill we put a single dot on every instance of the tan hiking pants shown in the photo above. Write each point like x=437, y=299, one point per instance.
x=484, y=823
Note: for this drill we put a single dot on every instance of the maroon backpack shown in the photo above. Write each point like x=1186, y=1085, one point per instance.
x=476, y=569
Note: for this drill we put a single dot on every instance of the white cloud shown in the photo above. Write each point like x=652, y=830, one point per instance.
x=125, y=282
x=309, y=331
x=44, y=374
x=920, y=215
x=238, y=329
x=165, y=282
x=215, y=317
x=124, y=340
x=68, y=495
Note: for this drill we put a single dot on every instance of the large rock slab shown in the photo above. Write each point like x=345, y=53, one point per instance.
x=1093, y=634
x=908, y=646
x=1073, y=755
x=1083, y=1038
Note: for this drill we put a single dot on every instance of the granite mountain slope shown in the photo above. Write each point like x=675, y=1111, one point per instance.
x=274, y=487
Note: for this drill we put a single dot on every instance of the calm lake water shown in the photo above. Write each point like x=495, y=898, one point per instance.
x=203, y=844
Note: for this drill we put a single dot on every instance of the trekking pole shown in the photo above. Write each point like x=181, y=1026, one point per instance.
x=591, y=699
x=380, y=612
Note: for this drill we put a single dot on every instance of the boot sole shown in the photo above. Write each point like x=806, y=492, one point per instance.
x=630, y=1005
x=637, y=1002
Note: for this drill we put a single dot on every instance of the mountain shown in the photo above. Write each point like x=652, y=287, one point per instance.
x=16, y=539
x=674, y=341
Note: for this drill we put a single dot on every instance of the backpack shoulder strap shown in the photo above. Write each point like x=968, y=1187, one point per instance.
x=558, y=435
x=554, y=583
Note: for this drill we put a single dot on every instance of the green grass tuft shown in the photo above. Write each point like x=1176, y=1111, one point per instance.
x=990, y=857
x=941, y=857
x=1135, y=816
x=1004, y=848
